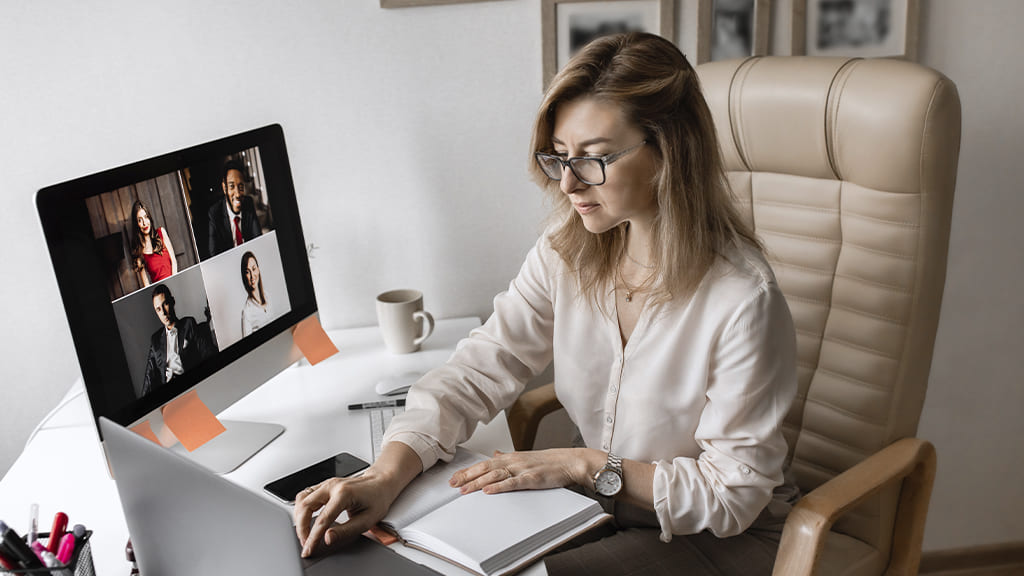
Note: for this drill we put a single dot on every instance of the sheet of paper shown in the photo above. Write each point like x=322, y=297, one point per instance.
x=310, y=337
x=191, y=421
x=146, y=431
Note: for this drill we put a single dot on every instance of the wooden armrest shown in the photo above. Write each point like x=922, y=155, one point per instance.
x=525, y=415
x=911, y=460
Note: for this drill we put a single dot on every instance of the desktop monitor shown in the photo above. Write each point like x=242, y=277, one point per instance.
x=180, y=272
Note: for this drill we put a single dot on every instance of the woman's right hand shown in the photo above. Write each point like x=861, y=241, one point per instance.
x=366, y=499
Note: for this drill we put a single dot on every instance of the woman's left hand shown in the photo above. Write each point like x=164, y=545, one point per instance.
x=532, y=470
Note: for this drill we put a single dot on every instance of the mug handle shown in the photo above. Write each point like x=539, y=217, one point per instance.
x=428, y=325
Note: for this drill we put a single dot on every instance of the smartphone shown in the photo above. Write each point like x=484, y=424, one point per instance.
x=339, y=465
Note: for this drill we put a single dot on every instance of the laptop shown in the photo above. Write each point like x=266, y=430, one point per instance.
x=183, y=519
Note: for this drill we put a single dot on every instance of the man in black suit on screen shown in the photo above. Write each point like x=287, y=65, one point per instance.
x=177, y=346
x=233, y=220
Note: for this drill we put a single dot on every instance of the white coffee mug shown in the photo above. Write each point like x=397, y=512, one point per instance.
x=403, y=322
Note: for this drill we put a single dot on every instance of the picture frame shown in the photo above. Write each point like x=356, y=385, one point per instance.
x=862, y=28
x=566, y=25
x=733, y=29
x=409, y=3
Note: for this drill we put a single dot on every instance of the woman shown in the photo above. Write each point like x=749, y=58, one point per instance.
x=152, y=252
x=674, y=350
x=256, y=312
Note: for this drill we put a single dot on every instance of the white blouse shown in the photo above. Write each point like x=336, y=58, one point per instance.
x=700, y=389
x=255, y=316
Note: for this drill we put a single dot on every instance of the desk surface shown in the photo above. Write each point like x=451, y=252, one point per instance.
x=63, y=468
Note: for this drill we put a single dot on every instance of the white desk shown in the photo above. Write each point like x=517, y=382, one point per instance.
x=63, y=468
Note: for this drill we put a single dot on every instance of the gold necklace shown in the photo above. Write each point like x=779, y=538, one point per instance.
x=629, y=289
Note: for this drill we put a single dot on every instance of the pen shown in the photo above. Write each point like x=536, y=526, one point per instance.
x=380, y=404
x=60, y=524
x=33, y=523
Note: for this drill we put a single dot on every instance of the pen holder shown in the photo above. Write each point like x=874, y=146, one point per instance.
x=80, y=565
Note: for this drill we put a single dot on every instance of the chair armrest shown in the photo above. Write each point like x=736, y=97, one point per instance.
x=911, y=460
x=525, y=415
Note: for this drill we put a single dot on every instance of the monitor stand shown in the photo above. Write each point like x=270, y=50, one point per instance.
x=229, y=449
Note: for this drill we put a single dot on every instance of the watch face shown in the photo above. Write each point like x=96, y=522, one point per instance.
x=608, y=483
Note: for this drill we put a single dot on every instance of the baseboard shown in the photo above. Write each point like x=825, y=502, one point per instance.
x=992, y=559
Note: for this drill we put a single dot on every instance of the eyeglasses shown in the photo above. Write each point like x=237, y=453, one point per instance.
x=588, y=169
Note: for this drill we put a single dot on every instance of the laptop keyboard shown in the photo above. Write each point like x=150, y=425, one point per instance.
x=380, y=418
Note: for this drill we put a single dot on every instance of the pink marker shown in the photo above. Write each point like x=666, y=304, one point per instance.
x=38, y=548
x=67, y=548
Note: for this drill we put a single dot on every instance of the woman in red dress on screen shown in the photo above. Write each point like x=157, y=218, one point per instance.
x=152, y=252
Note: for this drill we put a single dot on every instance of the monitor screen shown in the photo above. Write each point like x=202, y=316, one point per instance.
x=180, y=268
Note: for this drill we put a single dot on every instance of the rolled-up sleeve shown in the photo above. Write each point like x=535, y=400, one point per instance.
x=751, y=385
x=488, y=370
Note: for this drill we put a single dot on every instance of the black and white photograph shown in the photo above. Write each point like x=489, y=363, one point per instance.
x=568, y=25
x=739, y=28
x=866, y=28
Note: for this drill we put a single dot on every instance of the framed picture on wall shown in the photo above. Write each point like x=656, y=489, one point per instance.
x=735, y=29
x=865, y=28
x=567, y=25
x=405, y=3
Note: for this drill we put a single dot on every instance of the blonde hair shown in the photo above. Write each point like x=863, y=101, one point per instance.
x=652, y=83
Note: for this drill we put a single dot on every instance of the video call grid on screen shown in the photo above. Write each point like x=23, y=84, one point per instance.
x=155, y=242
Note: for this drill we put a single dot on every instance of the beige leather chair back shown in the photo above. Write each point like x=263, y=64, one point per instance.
x=846, y=168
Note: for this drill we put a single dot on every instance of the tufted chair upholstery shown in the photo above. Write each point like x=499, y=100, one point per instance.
x=846, y=169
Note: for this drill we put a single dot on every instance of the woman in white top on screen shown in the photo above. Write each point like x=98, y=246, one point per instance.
x=256, y=312
x=673, y=347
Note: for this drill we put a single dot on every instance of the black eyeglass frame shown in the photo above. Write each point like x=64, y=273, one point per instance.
x=602, y=161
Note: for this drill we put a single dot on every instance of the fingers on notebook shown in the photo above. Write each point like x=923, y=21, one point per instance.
x=507, y=472
x=489, y=478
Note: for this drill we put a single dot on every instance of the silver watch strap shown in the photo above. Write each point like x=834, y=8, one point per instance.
x=614, y=463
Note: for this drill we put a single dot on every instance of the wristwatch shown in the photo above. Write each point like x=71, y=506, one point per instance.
x=608, y=480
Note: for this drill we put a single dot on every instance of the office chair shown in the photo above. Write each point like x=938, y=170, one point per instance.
x=846, y=169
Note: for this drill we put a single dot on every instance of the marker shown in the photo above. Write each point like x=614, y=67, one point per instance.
x=7, y=562
x=38, y=548
x=67, y=548
x=50, y=560
x=60, y=525
x=380, y=404
x=18, y=549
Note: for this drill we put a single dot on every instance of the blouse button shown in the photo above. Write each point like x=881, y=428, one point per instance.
x=745, y=469
x=608, y=419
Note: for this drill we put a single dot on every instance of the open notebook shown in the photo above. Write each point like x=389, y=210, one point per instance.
x=490, y=534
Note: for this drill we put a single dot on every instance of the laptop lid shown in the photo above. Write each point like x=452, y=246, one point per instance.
x=183, y=519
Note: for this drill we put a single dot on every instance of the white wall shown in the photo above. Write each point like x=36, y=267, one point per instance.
x=378, y=106
x=975, y=394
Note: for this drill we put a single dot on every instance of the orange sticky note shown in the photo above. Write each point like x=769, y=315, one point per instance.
x=381, y=535
x=310, y=337
x=191, y=421
x=146, y=431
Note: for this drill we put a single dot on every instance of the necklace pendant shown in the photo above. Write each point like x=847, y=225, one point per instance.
x=629, y=296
